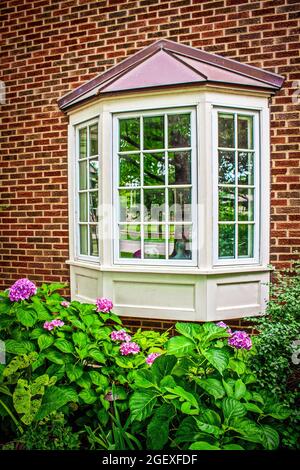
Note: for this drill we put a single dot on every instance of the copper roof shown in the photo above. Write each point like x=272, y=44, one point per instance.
x=167, y=63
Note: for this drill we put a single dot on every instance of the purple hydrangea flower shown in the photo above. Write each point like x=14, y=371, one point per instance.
x=240, y=340
x=65, y=304
x=120, y=335
x=129, y=348
x=22, y=289
x=151, y=358
x=103, y=305
x=221, y=324
x=49, y=325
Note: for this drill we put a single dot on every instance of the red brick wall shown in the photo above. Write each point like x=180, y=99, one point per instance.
x=52, y=46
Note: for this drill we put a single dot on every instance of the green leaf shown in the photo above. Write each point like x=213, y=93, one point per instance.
x=64, y=346
x=211, y=331
x=158, y=428
x=53, y=399
x=167, y=382
x=36, y=333
x=97, y=355
x=211, y=417
x=202, y=445
x=84, y=381
x=99, y=379
x=218, y=358
x=19, y=362
x=211, y=386
x=44, y=341
x=228, y=388
x=237, y=366
x=188, y=329
x=16, y=347
x=270, y=437
x=27, y=317
x=74, y=372
x=252, y=407
x=141, y=404
x=239, y=389
x=233, y=447
x=88, y=396
x=232, y=409
x=248, y=429
x=56, y=357
x=163, y=366
x=183, y=395
x=209, y=428
x=277, y=410
x=179, y=346
x=80, y=339
x=144, y=379
x=187, y=431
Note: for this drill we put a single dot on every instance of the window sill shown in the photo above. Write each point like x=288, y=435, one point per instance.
x=172, y=270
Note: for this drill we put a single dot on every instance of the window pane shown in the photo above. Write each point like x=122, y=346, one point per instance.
x=154, y=202
x=129, y=134
x=129, y=170
x=226, y=204
x=82, y=175
x=154, y=132
x=246, y=204
x=130, y=205
x=82, y=143
x=93, y=172
x=245, y=132
x=180, y=204
x=179, y=130
x=226, y=240
x=226, y=130
x=83, y=211
x=130, y=241
x=180, y=242
x=154, y=169
x=94, y=250
x=155, y=243
x=94, y=140
x=226, y=167
x=94, y=206
x=246, y=168
x=246, y=240
x=179, y=167
x=83, y=235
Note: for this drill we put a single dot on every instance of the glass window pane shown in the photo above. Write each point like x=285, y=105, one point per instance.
x=180, y=204
x=179, y=167
x=246, y=204
x=180, y=242
x=83, y=210
x=179, y=130
x=129, y=134
x=246, y=240
x=93, y=173
x=154, y=203
x=83, y=143
x=94, y=206
x=82, y=175
x=226, y=167
x=246, y=168
x=130, y=241
x=226, y=240
x=226, y=204
x=154, y=242
x=129, y=170
x=94, y=250
x=130, y=201
x=94, y=139
x=245, y=132
x=154, y=132
x=226, y=130
x=83, y=236
x=154, y=169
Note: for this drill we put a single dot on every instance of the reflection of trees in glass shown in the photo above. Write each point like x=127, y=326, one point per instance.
x=226, y=130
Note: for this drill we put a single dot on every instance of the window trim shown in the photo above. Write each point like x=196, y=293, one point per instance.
x=256, y=113
x=194, y=186
x=86, y=123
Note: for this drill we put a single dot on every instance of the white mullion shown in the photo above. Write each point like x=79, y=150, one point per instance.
x=236, y=191
x=166, y=222
x=142, y=210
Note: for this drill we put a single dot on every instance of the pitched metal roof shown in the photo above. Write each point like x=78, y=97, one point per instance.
x=167, y=63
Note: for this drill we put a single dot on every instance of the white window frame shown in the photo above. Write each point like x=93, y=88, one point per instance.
x=256, y=185
x=78, y=127
x=194, y=186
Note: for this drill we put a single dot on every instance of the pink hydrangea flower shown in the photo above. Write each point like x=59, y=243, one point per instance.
x=240, y=340
x=22, y=289
x=221, y=324
x=49, y=325
x=151, y=358
x=65, y=304
x=129, y=348
x=103, y=305
x=120, y=335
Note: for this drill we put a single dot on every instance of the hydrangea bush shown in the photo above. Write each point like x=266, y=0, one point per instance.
x=123, y=390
